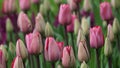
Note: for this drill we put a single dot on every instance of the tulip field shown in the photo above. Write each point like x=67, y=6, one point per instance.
x=59, y=33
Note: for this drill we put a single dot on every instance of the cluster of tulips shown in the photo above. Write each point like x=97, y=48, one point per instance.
x=29, y=40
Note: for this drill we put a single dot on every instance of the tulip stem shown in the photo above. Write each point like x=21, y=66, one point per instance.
x=97, y=58
x=66, y=37
x=72, y=36
x=53, y=65
x=110, y=62
x=117, y=41
x=38, y=61
x=24, y=63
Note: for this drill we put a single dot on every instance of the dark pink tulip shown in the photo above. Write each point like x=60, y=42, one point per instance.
x=24, y=4
x=2, y=60
x=70, y=27
x=60, y=45
x=24, y=23
x=96, y=37
x=52, y=49
x=17, y=62
x=64, y=14
x=34, y=43
x=68, y=58
x=105, y=11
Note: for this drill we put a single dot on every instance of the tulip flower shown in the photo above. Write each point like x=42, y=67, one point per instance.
x=70, y=27
x=110, y=33
x=24, y=4
x=68, y=58
x=64, y=14
x=17, y=63
x=39, y=23
x=84, y=65
x=87, y=5
x=83, y=53
x=34, y=43
x=96, y=37
x=52, y=49
x=9, y=26
x=5, y=53
x=73, y=5
x=76, y=26
x=106, y=11
x=48, y=30
x=2, y=60
x=115, y=3
x=21, y=49
x=12, y=48
x=23, y=22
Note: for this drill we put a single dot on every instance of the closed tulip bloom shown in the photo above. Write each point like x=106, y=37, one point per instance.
x=105, y=11
x=52, y=49
x=72, y=4
x=39, y=23
x=107, y=47
x=76, y=26
x=48, y=30
x=9, y=26
x=34, y=43
x=2, y=60
x=12, y=48
x=68, y=58
x=5, y=53
x=96, y=37
x=87, y=5
x=115, y=3
x=110, y=33
x=23, y=22
x=84, y=65
x=21, y=49
x=80, y=36
x=24, y=4
x=70, y=27
x=17, y=63
x=83, y=53
x=60, y=45
x=64, y=14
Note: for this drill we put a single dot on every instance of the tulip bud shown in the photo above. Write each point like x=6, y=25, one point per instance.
x=46, y=5
x=105, y=11
x=52, y=50
x=9, y=26
x=34, y=43
x=84, y=65
x=21, y=49
x=5, y=54
x=87, y=5
x=64, y=14
x=115, y=3
x=73, y=5
x=110, y=33
x=42, y=10
x=39, y=23
x=23, y=22
x=116, y=26
x=96, y=37
x=68, y=58
x=11, y=47
x=24, y=4
x=108, y=47
x=48, y=30
x=59, y=66
x=2, y=60
x=83, y=53
x=76, y=26
x=85, y=26
x=70, y=27
x=80, y=36
x=104, y=24
x=17, y=63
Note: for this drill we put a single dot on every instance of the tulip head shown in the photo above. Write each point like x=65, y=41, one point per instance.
x=24, y=4
x=12, y=48
x=87, y=5
x=2, y=60
x=84, y=65
x=9, y=26
x=110, y=33
x=21, y=49
x=76, y=26
x=5, y=53
x=48, y=30
x=115, y=3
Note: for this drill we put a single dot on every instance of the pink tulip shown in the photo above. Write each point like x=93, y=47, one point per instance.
x=60, y=45
x=68, y=58
x=9, y=6
x=23, y=22
x=70, y=27
x=2, y=60
x=64, y=14
x=17, y=63
x=34, y=43
x=96, y=37
x=105, y=11
x=24, y=4
x=52, y=49
x=35, y=1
